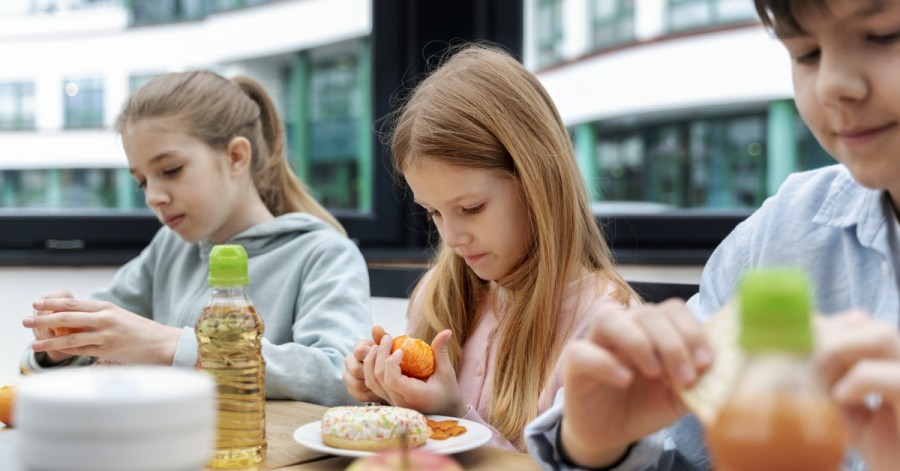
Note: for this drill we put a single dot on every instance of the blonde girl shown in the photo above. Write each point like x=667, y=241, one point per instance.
x=209, y=154
x=522, y=264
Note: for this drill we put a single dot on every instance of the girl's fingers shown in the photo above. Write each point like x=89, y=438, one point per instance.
x=60, y=293
x=619, y=332
x=382, y=352
x=69, y=304
x=354, y=367
x=369, y=369
x=400, y=386
x=62, y=319
x=377, y=334
x=361, y=349
x=441, y=348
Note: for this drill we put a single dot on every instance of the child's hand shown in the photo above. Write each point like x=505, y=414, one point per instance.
x=859, y=358
x=618, y=380
x=111, y=333
x=354, y=373
x=45, y=333
x=439, y=394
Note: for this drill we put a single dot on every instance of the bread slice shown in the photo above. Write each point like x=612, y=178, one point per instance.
x=707, y=396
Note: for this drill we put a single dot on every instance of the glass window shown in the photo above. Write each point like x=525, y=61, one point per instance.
x=549, y=32
x=333, y=117
x=613, y=22
x=65, y=188
x=690, y=14
x=137, y=81
x=83, y=101
x=712, y=163
x=17, y=106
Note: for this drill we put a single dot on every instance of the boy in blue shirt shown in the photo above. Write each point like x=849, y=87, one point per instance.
x=839, y=224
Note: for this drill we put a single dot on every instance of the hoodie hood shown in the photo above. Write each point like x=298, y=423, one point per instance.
x=272, y=234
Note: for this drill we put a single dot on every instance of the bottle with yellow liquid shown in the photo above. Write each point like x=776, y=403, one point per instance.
x=229, y=334
x=779, y=417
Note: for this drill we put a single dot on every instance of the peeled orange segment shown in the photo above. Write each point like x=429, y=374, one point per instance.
x=60, y=331
x=418, y=358
x=707, y=396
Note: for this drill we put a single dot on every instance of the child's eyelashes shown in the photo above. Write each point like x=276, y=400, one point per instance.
x=169, y=172
x=474, y=209
x=884, y=38
x=433, y=213
x=807, y=58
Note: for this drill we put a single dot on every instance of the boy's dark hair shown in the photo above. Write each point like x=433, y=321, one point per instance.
x=781, y=15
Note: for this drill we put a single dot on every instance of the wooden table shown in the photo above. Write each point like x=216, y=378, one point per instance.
x=285, y=454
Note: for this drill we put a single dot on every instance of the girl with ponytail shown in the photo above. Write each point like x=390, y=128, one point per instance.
x=209, y=154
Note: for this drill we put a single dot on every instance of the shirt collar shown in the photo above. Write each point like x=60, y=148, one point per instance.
x=848, y=204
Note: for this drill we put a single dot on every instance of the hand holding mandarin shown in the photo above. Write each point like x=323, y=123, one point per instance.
x=418, y=357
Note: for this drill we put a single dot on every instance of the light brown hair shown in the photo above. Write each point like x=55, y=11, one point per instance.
x=215, y=110
x=482, y=109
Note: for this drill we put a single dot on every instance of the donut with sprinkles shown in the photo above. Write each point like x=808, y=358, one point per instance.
x=373, y=428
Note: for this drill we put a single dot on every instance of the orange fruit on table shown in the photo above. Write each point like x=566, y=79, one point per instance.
x=7, y=398
x=418, y=357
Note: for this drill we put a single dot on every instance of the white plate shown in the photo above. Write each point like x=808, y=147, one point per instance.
x=310, y=436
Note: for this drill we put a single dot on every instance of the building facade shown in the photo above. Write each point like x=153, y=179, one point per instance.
x=671, y=103
x=74, y=62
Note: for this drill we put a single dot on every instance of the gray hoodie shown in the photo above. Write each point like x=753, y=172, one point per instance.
x=307, y=281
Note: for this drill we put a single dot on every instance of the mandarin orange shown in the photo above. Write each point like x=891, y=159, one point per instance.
x=7, y=399
x=60, y=331
x=418, y=357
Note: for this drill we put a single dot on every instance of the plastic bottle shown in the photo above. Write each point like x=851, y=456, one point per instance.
x=229, y=333
x=779, y=417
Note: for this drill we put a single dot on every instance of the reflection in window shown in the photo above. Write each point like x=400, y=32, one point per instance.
x=17, y=106
x=712, y=163
x=83, y=100
x=548, y=32
x=613, y=22
x=333, y=116
x=63, y=188
x=689, y=14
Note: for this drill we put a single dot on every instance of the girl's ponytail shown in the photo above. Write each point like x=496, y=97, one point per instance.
x=278, y=186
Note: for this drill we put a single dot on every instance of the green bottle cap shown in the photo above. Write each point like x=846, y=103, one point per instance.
x=228, y=266
x=776, y=311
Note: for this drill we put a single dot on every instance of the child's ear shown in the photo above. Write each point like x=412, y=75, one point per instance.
x=239, y=154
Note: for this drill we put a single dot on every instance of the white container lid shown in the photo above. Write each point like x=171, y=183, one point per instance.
x=112, y=400
x=116, y=418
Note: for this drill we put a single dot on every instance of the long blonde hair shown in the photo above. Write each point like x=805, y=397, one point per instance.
x=482, y=109
x=215, y=110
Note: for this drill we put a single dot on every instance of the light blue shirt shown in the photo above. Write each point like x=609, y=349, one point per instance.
x=822, y=221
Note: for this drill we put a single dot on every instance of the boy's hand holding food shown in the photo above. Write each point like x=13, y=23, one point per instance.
x=621, y=380
x=858, y=358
